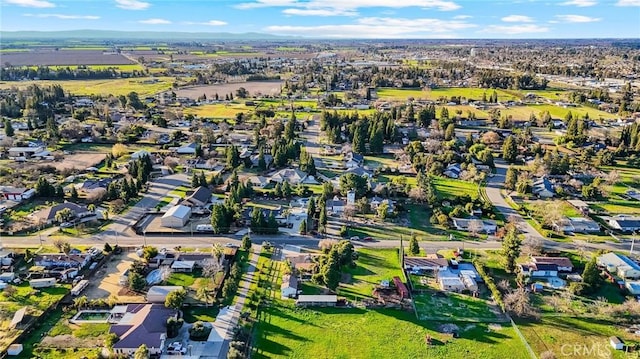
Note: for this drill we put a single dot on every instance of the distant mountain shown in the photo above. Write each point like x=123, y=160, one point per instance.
x=137, y=35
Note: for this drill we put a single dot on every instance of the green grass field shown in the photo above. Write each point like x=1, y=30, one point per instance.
x=451, y=188
x=287, y=332
x=552, y=333
x=453, y=307
x=102, y=87
x=434, y=94
x=371, y=268
x=218, y=110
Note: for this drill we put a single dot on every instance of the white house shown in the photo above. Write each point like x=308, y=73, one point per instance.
x=291, y=175
x=620, y=265
x=475, y=224
x=258, y=181
x=24, y=152
x=543, y=188
x=453, y=171
x=624, y=223
x=336, y=205
x=176, y=217
x=188, y=149
x=289, y=287
x=616, y=343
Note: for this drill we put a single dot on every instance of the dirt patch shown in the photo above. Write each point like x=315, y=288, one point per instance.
x=80, y=161
x=253, y=87
x=69, y=341
x=495, y=327
x=106, y=282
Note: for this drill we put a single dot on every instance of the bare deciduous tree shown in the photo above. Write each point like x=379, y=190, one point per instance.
x=210, y=267
x=518, y=303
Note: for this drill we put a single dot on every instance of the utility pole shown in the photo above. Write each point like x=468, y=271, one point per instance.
x=633, y=242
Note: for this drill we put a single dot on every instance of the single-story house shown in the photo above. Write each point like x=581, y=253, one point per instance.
x=539, y=269
x=16, y=194
x=425, y=264
x=26, y=152
x=197, y=257
x=158, y=293
x=140, y=154
x=563, y=263
x=353, y=160
x=358, y=171
x=577, y=225
x=317, y=300
x=48, y=215
x=292, y=175
x=200, y=197
x=255, y=160
x=624, y=223
x=543, y=188
x=620, y=265
x=142, y=324
x=469, y=282
x=188, y=149
x=258, y=181
x=176, y=216
x=182, y=266
x=289, y=287
x=336, y=205
x=453, y=170
x=479, y=225
x=61, y=260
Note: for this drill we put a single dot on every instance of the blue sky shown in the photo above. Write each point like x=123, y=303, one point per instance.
x=336, y=18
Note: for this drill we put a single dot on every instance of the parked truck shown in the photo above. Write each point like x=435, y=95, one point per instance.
x=42, y=283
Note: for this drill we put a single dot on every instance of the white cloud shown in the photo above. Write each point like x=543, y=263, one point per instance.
x=155, y=22
x=132, y=4
x=579, y=3
x=376, y=27
x=462, y=17
x=517, y=18
x=31, y=3
x=628, y=3
x=515, y=29
x=345, y=7
x=576, y=18
x=207, y=23
x=64, y=17
x=319, y=12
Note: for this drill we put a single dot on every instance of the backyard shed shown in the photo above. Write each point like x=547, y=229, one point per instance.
x=176, y=216
x=14, y=349
x=616, y=343
x=317, y=300
x=158, y=293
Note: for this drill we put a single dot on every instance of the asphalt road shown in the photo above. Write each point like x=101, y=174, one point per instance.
x=494, y=185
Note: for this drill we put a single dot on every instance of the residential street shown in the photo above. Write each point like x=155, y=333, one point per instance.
x=494, y=185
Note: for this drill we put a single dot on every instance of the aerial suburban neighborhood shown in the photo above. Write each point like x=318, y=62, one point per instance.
x=225, y=195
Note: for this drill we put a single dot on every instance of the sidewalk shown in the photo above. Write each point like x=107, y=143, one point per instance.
x=236, y=308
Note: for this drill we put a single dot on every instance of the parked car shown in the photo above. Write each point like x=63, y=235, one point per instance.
x=367, y=239
x=354, y=238
x=66, y=225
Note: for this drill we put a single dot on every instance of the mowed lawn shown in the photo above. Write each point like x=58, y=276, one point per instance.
x=284, y=331
x=114, y=87
x=372, y=266
x=451, y=188
x=552, y=333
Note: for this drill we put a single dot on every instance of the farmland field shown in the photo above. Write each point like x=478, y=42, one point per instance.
x=253, y=87
x=287, y=332
x=75, y=57
x=103, y=87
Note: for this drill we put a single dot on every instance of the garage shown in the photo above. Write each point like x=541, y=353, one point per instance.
x=176, y=217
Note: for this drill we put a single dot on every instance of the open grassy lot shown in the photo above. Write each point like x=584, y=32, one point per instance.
x=103, y=87
x=434, y=94
x=523, y=112
x=552, y=333
x=205, y=314
x=122, y=68
x=452, y=306
x=371, y=268
x=617, y=207
x=451, y=188
x=218, y=110
x=287, y=332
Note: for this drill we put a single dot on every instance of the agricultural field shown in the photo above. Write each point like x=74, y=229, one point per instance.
x=143, y=86
x=253, y=87
x=122, y=68
x=66, y=57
